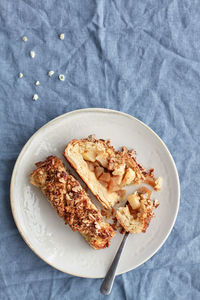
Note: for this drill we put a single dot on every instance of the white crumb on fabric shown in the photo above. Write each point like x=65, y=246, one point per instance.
x=20, y=75
x=25, y=39
x=61, y=77
x=37, y=82
x=51, y=73
x=61, y=36
x=32, y=54
x=35, y=97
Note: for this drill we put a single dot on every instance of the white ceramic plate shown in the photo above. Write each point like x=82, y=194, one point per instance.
x=43, y=230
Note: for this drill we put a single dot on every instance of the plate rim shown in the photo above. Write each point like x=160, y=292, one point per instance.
x=104, y=110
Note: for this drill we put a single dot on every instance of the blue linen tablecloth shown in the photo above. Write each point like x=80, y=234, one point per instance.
x=139, y=57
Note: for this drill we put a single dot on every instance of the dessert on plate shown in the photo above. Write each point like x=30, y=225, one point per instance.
x=105, y=170
x=137, y=214
x=71, y=202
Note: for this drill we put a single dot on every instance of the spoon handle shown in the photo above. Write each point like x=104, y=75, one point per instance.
x=107, y=283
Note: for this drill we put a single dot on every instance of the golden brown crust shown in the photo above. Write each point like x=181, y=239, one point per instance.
x=71, y=202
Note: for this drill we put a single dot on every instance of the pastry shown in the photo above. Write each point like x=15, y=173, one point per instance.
x=105, y=170
x=71, y=202
x=137, y=214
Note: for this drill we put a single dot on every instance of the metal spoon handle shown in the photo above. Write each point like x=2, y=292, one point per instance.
x=107, y=283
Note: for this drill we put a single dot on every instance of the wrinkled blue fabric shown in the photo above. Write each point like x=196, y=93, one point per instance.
x=139, y=57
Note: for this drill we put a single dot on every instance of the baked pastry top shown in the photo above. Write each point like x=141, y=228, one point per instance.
x=105, y=170
x=71, y=202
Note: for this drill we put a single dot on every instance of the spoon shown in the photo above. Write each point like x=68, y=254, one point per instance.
x=108, y=281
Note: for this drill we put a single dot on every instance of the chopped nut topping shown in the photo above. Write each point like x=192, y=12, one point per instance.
x=62, y=180
x=91, y=137
x=156, y=203
x=69, y=187
x=74, y=207
x=97, y=225
x=158, y=183
x=76, y=189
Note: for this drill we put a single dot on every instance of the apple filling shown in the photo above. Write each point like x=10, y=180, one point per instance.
x=137, y=214
x=111, y=182
x=112, y=171
x=105, y=170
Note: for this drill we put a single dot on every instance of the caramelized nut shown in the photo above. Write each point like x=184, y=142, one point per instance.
x=156, y=203
x=76, y=188
x=97, y=226
x=158, y=183
x=61, y=180
x=69, y=187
